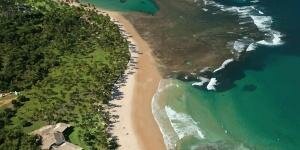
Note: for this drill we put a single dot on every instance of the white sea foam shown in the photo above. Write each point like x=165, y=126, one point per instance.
x=244, y=44
x=204, y=69
x=183, y=124
x=277, y=38
x=251, y=47
x=202, y=82
x=274, y=40
x=224, y=64
x=239, y=46
x=212, y=3
x=254, y=1
x=260, y=12
x=211, y=85
x=263, y=23
x=173, y=125
x=243, y=11
x=160, y=116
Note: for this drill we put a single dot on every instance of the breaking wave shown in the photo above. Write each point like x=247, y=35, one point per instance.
x=183, y=124
x=160, y=117
x=173, y=125
x=255, y=15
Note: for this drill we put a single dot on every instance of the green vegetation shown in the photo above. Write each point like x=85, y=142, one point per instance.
x=65, y=61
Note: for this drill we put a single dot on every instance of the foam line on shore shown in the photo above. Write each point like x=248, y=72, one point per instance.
x=173, y=125
x=161, y=117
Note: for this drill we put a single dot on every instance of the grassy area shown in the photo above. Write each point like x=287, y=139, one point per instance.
x=74, y=137
x=65, y=67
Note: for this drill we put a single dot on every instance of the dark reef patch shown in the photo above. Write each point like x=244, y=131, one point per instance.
x=249, y=88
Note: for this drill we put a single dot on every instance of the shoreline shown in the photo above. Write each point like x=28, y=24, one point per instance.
x=136, y=127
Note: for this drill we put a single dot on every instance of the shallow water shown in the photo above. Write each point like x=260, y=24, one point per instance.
x=258, y=106
x=145, y=6
x=188, y=35
x=260, y=112
x=260, y=109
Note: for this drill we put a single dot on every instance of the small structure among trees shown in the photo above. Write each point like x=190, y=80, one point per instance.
x=52, y=137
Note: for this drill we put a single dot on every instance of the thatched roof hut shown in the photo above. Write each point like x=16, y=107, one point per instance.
x=53, y=137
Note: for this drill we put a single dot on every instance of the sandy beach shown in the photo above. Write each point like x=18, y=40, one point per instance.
x=136, y=128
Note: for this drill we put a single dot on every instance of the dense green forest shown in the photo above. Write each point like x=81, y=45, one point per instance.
x=64, y=60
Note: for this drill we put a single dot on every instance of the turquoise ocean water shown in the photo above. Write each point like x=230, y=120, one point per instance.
x=260, y=112
x=145, y=6
x=261, y=106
